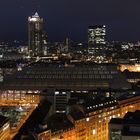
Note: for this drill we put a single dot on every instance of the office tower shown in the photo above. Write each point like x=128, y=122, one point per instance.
x=35, y=35
x=96, y=43
x=96, y=34
x=96, y=38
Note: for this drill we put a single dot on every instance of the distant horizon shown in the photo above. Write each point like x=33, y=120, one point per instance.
x=53, y=41
x=24, y=35
x=71, y=19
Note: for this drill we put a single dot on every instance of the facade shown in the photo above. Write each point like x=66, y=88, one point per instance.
x=131, y=68
x=60, y=101
x=35, y=35
x=41, y=76
x=96, y=34
x=97, y=120
x=68, y=134
x=45, y=44
x=91, y=123
x=127, y=128
x=79, y=121
x=96, y=39
x=96, y=43
x=18, y=97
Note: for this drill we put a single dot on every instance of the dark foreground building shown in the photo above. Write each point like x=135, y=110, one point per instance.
x=4, y=128
x=126, y=128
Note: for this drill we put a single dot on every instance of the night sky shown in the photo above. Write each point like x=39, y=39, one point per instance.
x=71, y=18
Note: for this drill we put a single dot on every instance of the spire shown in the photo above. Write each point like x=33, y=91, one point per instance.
x=36, y=15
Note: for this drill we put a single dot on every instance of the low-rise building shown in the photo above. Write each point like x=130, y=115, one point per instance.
x=90, y=119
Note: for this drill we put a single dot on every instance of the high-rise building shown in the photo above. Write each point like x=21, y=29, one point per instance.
x=35, y=35
x=97, y=43
x=96, y=39
x=96, y=34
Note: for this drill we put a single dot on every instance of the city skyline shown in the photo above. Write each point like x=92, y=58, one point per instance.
x=69, y=70
x=71, y=19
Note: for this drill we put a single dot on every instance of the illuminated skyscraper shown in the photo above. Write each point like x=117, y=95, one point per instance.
x=96, y=34
x=96, y=40
x=35, y=35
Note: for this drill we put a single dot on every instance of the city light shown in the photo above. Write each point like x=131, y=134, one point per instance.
x=69, y=78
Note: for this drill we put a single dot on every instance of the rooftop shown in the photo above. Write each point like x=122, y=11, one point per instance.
x=41, y=76
x=58, y=122
x=96, y=26
x=100, y=103
x=77, y=115
x=116, y=121
x=130, y=123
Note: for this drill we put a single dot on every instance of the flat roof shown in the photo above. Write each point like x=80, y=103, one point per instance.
x=81, y=76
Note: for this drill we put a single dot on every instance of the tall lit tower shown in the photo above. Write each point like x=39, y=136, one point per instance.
x=96, y=37
x=35, y=35
x=96, y=34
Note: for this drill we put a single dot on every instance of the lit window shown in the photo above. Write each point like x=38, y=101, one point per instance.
x=94, y=131
x=57, y=92
x=87, y=119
